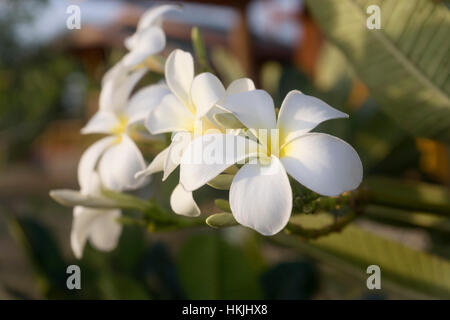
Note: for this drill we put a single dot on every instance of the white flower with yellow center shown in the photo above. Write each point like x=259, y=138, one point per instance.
x=149, y=38
x=99, y=226
x=260, y=193
x=186, y=112
x=116, y=157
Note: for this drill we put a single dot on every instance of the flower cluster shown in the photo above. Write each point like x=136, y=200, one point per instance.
x=215, y=131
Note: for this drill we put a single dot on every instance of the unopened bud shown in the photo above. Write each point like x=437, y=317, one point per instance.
x=221, y=220
x=73, y=198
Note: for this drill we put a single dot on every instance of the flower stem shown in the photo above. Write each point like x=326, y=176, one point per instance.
x=126, y=201
x=314, y=233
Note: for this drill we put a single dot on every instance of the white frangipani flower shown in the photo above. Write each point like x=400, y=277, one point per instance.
x=149, y=38
x=260, y=194
x=186, y=112
x=99, y=226
x=116, y=157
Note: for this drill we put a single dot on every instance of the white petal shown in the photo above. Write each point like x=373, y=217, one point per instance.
x=323, y=163
x=88, y=220
x=81, y=224
x=151, y=16
x=180, y=141
x=131, y=41
x=240, y=85
x=155, y=166
x=261, y=197
x=120, y=163
x=116, y=89
x=147, y=43
x=207, y=124
x=179, y=71
x=115, y=71
x=300, y=113
x=254, y=109
x=206, y=90
x=101, y=122
x=182, y=202
x=170, y=115
x=208, y=155
x=93, y=187
x=144, y=101
x=105, y=230
x=89, y=160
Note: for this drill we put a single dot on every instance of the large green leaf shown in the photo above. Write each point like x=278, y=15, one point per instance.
x=211, y=268
x=399, y=264
x=43, y=253
x=296, y=280
x=414, y=219
x=410, y=195
x=374, y=134
x=405, y=64
x=117, y=286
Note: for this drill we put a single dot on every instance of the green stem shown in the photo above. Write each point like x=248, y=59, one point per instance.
x=314, y=233
x=388, y=192
x=126, y=201
x=178, y=224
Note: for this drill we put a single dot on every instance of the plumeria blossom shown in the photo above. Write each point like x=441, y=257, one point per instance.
x=149, y=38
x=116, y=157
x=260, y=193
x=187, y=111
x=113, y=161
x=99, y=226
x=218, y=134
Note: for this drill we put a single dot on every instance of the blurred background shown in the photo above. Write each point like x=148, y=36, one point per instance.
x=49, y=87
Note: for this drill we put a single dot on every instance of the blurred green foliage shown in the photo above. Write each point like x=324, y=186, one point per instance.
x=34, y=80
x=211, y=267
x=207, y=266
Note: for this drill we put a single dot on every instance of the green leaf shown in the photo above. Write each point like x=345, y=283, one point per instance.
x=160, y=273
x=129, y=253
x=297, y=280
x=211, y=268
x=399, y=264
x=221, y=220
x=334, y=78
x=401, y=217
x=408, y=194
x=376, y=135
x=120, y=286
x=43, y=253
x=404, y=64
x=200, y=51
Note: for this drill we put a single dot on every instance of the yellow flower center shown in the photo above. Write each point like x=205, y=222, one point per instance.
x=121, y=127
x=270, y=140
